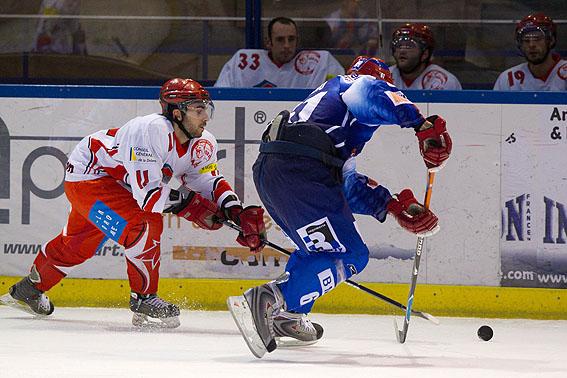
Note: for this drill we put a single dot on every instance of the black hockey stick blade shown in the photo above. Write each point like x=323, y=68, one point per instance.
x=420, y=314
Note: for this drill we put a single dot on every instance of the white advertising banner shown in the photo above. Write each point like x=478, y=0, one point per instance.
x=37, y=134
x=534, y=196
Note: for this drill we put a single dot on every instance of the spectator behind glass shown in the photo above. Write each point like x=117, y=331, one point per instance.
x=543, y=70
x=371, y=47
x=346, y=33
x=60, y=35
x=280, y=65
x=412, y=48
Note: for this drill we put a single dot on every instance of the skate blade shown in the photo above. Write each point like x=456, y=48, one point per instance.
x=290, y=342
x=145, y=322
x=7, y=300
x=242, y=316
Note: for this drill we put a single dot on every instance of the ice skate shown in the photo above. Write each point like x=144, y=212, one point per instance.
x=293, y=330
x=26, y=297
x=254, y=314
x=150, y=311
x=242, y=316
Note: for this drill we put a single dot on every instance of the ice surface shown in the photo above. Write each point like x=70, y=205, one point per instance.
x=94, y=342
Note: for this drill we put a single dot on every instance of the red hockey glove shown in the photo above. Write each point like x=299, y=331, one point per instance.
x=233, y=214
x=435, y=144
x=251, y=221
x=411, y=215
x=198, y=209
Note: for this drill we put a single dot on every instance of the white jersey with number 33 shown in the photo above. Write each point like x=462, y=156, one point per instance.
x=520, y=78
x=254, y=68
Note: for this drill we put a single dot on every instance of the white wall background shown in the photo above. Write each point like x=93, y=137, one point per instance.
x=466, y=195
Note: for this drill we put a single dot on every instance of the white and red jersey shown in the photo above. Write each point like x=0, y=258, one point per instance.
x=520, y=78
x=254, y=68
x=432, y=78
x=145, y=154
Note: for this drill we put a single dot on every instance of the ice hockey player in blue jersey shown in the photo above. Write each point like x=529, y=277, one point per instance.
x=306, y=177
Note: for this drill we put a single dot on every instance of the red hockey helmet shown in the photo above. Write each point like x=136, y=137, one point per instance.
x=366, y=65
x=181, y=93
x=419, y=33
x=536, y=22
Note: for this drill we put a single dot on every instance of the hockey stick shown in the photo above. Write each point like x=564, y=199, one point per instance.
x=401, y=335
x=423, y=315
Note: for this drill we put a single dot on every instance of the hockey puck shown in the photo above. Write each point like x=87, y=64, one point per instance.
x=485, y=333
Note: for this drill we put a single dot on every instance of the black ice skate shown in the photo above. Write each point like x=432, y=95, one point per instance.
x=293, y=329
x=254, y=314
x=26, y=297
x=150, y=306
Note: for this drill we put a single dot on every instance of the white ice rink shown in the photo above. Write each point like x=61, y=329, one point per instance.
x=88, y=342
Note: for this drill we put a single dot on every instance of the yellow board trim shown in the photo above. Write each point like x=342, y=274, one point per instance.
x=438, y=300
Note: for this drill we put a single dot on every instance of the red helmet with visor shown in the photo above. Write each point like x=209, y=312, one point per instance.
x=421, y=34
x=366, y=65
x=534, y=24
x=181, y=93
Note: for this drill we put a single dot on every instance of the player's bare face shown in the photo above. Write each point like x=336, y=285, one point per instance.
x=283, y=43
x=408, y=56
x=535, y=48
x=195, y=119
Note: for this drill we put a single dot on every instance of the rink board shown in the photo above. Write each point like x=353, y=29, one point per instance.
x=500, y=199
x=438, y=300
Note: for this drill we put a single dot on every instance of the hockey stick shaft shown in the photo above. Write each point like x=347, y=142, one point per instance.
x=401, y=335
x=358, y=286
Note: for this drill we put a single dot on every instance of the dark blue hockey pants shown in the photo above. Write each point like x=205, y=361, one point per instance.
x=304, y=198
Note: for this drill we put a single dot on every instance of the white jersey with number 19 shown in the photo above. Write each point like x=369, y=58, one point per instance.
x=520, y=78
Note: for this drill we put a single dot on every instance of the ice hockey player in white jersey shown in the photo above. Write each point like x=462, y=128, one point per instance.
x=412, y=48
x=280, y=65
x=543, y=70
x=117, y=183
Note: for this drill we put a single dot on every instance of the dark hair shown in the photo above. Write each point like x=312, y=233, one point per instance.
x=281, y=20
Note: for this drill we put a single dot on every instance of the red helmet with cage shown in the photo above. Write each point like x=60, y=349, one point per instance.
x=366, y=65
x=419, y=33
x=182, y=92
x=536, y=22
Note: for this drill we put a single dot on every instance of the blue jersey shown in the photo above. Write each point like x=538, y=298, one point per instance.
x=351, y=108
x=304, y=197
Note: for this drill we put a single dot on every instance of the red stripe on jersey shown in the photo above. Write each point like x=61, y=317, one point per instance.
x=222, y=187
x=94, y=146
x=150, y=202
x=117, y=172
x=142, y=178
x=112, y=132
x=170, y=138
x=181, y=148
x=113, y=151
x=166, y=171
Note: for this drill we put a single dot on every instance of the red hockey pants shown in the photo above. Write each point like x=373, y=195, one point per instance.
x=102, y=209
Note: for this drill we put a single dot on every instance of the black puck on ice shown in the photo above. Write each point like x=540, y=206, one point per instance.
x=485, y=333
